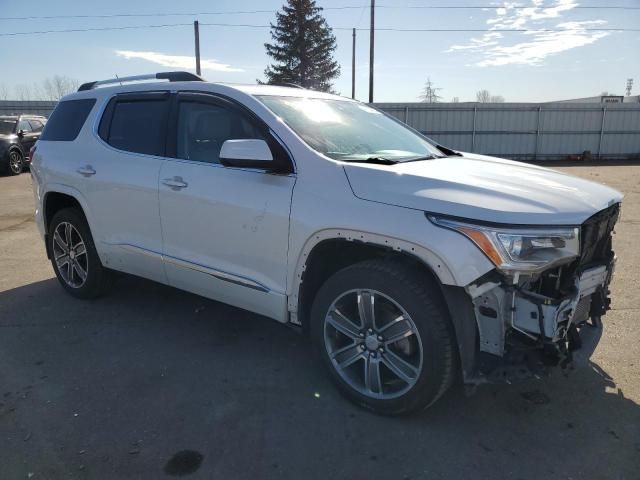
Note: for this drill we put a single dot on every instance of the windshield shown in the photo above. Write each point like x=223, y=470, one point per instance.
x=6, y=126
x=350, y=131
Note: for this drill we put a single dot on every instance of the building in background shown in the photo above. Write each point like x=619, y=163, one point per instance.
x=603, y=99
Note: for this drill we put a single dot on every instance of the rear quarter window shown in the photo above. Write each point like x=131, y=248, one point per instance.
x=67, y=119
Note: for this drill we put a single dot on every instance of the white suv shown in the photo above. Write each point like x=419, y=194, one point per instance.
x=409, y=264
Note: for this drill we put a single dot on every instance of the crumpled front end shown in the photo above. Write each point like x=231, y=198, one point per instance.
x=528, y=323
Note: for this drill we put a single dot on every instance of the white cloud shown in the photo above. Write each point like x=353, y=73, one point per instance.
x=540, y=43
x=177, y=61
x=487, y=40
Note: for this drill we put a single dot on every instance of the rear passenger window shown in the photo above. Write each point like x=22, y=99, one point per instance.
x=67, y=120
x=138, y=126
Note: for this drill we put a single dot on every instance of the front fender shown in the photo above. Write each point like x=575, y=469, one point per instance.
x=426, y=256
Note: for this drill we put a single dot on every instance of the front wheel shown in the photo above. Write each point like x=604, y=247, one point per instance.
x=74, y=256
x=384, y=333
x=15, y=163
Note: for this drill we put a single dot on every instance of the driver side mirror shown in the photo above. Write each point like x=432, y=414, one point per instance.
x=246, y=153
x=20, y=133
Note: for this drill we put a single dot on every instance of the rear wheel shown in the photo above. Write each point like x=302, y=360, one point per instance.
x=74, y=257
x=384, y=334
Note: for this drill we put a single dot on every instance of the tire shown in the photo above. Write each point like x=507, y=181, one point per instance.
x=79, y=269
x=411, y=323
x=14, y=164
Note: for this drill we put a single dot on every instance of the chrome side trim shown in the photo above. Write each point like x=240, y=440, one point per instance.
x=134, y=249
x=227, y=277
x=219, y=165
x=219, y=274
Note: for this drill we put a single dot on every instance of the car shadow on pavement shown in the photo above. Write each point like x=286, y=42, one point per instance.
x=151, y=382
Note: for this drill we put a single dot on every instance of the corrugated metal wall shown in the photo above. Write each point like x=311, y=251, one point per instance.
x=37, y=107
x=526, y=131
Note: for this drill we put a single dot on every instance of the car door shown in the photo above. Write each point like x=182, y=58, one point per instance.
x=27, y=138
x=36, y=130
x=225, y=229
x=119, y=175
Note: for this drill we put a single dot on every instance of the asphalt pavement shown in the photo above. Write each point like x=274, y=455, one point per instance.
x=151, y=383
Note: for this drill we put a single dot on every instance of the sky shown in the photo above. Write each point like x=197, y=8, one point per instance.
x=519, y=66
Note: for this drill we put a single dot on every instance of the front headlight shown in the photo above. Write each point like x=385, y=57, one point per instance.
x=519, y=249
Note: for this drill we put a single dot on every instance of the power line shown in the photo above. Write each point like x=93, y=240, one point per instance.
x=501, y=30
x=167, y=14
x=384, y=29
x=98, y=29
x=509, y=7
x=347, y=7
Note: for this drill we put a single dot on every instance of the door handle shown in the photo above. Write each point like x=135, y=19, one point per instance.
x=87, y=171
x=175, y=183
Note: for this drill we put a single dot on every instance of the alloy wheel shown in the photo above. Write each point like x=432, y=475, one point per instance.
x=15, y=162
x=70, y=255
x=373, y=343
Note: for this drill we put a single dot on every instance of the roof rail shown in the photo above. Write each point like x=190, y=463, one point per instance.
x=171, y=76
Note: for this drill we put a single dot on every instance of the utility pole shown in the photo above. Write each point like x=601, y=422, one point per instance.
x=629, y=86
x=353, y=66
x=196, y=32
x=371, y=43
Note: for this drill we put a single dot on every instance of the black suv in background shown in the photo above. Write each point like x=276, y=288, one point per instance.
x=18, y=133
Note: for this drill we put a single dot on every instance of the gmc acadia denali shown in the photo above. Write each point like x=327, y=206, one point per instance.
x=409, y=264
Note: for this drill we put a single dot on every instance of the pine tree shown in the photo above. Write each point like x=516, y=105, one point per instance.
x=302, y=48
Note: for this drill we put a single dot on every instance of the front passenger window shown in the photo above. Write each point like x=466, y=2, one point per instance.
x=36, y=125
x=24, y=126
x=204, y=127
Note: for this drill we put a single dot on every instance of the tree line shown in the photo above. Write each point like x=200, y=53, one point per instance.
x=51, y=88
x=430, y=94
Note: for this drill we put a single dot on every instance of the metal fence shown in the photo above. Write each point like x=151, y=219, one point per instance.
x=35, y=107
x=526, y=131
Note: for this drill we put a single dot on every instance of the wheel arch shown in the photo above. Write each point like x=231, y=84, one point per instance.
x=57, y=198
x=15, y=146
x=346, y=247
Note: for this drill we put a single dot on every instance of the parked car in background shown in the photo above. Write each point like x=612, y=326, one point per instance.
x=410, y=265
x=18, y=133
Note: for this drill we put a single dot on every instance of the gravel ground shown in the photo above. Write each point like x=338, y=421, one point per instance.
x=151, y=382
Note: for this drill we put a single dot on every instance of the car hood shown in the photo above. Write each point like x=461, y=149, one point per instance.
x=483, y=188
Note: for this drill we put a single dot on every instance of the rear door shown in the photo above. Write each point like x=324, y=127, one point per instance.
x=225, y=229
x=119, y=178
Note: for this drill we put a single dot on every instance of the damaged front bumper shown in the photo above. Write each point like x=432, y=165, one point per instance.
x=523, y=333
x=528, y=324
